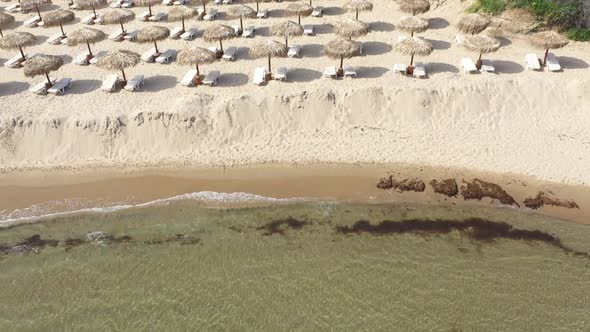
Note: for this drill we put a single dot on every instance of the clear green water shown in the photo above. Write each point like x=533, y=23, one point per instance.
x=227, y=275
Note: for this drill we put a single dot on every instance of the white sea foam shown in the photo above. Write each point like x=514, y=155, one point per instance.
x=38, y=212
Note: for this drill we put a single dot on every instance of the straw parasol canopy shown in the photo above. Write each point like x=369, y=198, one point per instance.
x=286, y=29
x=473, y=23
x=350, y=28
x=241, y=11
x=41, y=65
x=358, y=6
x=119, y=60
x=92, y=4
x=414, y=6
x=180, y=13
x=5, y=20
x=342, y=48
x=152, y=35
x=17, y=40
x=219, y=32
x=117, y=16
x=146, y=3
x=195, y=56
x=201, y=2
x=268, y=48
x=414, y=46
x=30, y=4
x=87, y=36
x=59, y=17
x=548, y=40
x=298, y=9
x=482, y=44
x=412, y=24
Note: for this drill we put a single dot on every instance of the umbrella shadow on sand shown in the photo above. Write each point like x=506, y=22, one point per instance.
x=40, y=40
x=320, y=29
x=243, y=53
x=371, y=72
x=66, y=58
x=439, y=68
x=437, y=23
x=507, y=67
x=159, y=82
x=303, y=75
x=375, y=48
x=276, y=13
x=232, y=80
x=11, y=88
x=331, y=11
x=263, y=31
x=439, y=44
x=84, y=86
x=380, y=26
x=312, y=50
x=572, y=63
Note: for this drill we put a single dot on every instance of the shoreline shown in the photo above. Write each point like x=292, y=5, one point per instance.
x=334, y=182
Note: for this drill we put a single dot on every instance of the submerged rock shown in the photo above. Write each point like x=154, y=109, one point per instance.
x=99, y=237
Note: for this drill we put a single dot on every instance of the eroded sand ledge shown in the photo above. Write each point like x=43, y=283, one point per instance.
x=489, y=125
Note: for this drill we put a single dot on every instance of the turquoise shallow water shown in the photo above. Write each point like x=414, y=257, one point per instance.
x=304, y=266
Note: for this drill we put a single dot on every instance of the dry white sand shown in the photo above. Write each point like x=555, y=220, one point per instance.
x=515, y=121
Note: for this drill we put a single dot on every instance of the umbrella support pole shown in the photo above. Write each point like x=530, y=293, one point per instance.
x=122, y=28
x=221, y=46
x=38, y=12
x=269, y=69
x=48, y=84
x=22, y=53
x=124, y=77
x=89, y=50
x=545, y=58
x=1, y=35
x=62, y=30
x=357, y=14
x=156, y=47
x=183, y=28
x=150, y=10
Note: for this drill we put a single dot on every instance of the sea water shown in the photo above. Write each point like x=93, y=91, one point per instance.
x=181, y=265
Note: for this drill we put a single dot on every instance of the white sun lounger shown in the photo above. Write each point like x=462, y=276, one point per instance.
x=15, y=8
x=248, y=31
x=259, y=76
x=144, y=16
x=227, y=2
x=82, y=59
x=218, y=2
x=399, y=68
x=330, y=71
x=189, y=78
x=55, y=39
x=131, y=36
x=135, y=83
x=532, y=61
x=89, y=20
x=487, y=66
x=200, y=13
x=294, y=51
x=116, y=4
x=281, y=74
x=179, y=2
x=41, y=87
x=167, y=2
x=308, y=30
x=552, y=63
x=459, y=39
x=468, y=65
x=190, y=34
x=166, y=57
x=99, y=20
x=213, y=49
x=32, y=22
x=401, y=38
x=317, y=11
x=157, y=18
x=149, y=55
x=262, y=13
x=419, y=70
x=110, y=83
x=211, y=15
x=211, y=78
x=176, y=32
x=127, y=4
x=60, y=87
x=349, y=71
x=15, y=61
x=117, y=35
x=236, y=28
x=75, y=6
x=230, y=53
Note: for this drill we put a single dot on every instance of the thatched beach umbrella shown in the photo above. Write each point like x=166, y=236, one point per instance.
x=119, y=60
x=5, y=20
x=268, y=48
x=17, y=40
x=241, y=11
x=414, y=46
x=30, y=4
x=153, y=34
x=59, y=17
x=219, y=32
x=349, y=28
x=181, y=13
x=412, y=24
x=414, y=6
x=117, y=16
x=195, y=56
x=482, y=44
x=548, y=40
x=87, y=36
x=358, y=6
x=298, y=9
x=201, y=2
x=146, y=3
x=286, y=29
x=92, y=4
x=473, y=23
x=42, y=65
x=342, y=48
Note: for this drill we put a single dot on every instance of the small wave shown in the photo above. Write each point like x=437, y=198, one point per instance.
x=38, y=212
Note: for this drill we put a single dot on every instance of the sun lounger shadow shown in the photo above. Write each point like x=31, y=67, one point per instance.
x=439, y=44
x=567, y=62
x=232, y=80
x=380, y=26
x=437, y=23
x=158, y=83
x=331, y=11
x=12, y=88
x=303, y=75
x=376, y=48
x=439, y=67
x=371, y=72
x=507, y=67
x=84, y=86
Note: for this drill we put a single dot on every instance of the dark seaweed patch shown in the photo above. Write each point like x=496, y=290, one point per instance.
x=446, y=187
x=71, y=243
x=401, y=186
x=280, y=225
x=37, y=242
x=183, y=239
x=478, y=189
x=475, y=228
x=544, y=199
